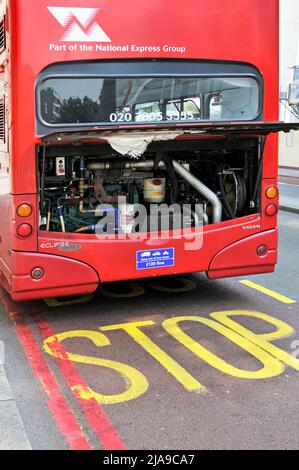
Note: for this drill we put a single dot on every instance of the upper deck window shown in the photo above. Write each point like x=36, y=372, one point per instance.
x=77, y=99
x=2, y=119
x=2, y=34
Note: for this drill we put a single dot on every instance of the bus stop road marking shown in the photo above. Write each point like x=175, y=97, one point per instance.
x=64, y=417
x=268, y=292
x=57, y=404
x=258, y=345
x=93, y=411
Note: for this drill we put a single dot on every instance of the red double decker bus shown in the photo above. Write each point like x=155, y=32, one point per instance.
x=147, y=103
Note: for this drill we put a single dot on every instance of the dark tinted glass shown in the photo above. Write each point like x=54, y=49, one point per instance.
x=70, y=100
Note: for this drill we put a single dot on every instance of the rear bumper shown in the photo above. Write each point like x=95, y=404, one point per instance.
x=62, y=277
x=241, y=258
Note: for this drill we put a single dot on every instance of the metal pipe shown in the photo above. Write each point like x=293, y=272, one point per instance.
x=181, y=171
x=201, y=215
x=124, y=165
x=195, y=215
x=202, y=189
x=205, y=219
x=82, y=188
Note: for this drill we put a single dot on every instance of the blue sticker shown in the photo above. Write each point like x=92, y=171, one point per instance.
x=158, y=258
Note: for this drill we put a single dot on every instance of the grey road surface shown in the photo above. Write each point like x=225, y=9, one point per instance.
x=214, y=389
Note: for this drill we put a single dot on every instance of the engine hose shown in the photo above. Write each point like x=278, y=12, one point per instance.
x=60, y=213
x=90, y=228
x=226, y=206
x=49, y=214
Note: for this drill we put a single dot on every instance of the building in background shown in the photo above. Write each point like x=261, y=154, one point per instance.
x=289, y=59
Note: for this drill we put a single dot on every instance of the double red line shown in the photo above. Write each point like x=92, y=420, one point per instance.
x=65, y=418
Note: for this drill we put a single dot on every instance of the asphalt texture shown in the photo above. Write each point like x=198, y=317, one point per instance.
x=289, y=195
x=225, y=412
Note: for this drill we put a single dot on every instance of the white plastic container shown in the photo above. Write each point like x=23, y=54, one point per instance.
x=154, y=190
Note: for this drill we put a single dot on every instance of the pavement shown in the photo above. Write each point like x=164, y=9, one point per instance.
x=13, y=434
x=289, y=189
x=158, y=364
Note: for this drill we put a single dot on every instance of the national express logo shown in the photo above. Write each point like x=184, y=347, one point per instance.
x=79, y=24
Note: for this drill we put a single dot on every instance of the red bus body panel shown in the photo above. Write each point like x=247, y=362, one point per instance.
x=227, y=30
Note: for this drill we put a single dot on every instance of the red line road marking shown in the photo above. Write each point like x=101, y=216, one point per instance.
x=64, y=417
x=57, y=404
x=93, y=411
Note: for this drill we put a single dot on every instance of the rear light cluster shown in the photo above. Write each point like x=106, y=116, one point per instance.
x=271, y=193
x=24, y=230
x=271, y=210
x=37, y=273
x=262, y=250
x=24, y=211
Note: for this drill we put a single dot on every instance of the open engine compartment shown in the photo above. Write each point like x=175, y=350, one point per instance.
x=215, y=179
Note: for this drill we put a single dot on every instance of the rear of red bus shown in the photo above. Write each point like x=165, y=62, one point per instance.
x=146, y=103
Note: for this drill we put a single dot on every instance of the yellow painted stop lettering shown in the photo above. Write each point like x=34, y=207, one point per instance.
x=271, y=367
x=175, y=369
x=135, y=382
x=272, y=358
x=263, y=341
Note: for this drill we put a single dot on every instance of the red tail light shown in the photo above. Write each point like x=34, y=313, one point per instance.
x=271, y=210
x=37, y=273
x=262, y=250
x=24, y=230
